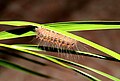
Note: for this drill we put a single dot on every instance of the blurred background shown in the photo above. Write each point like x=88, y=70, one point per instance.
x=46, y=11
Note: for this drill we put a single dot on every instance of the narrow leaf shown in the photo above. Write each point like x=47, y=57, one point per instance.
x=6, y=35
x=52, y=60
x=88, y=42
x=85, y=25
x=36, y=48
x=85, y=67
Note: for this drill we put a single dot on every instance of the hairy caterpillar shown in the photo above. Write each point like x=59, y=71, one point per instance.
x=65, y=46
x=56, y=39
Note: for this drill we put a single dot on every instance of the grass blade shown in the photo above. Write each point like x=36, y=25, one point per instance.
x=6, y=35
x=88, y=68
x=88, y=42
x=85, y=25
x=52, y=60
x=36, y=48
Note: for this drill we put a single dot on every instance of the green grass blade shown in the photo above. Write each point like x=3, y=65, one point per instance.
x=36, y=48
x=88, y=68
x=85, y=25
x=28, y=47
x=69, y=26
x=19, y=23
x=9, y=65
x=88, y=42
x=6, y=35
x=52, y=60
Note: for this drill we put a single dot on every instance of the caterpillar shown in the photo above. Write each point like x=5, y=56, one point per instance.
x=55, y=42
x=56, y=39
